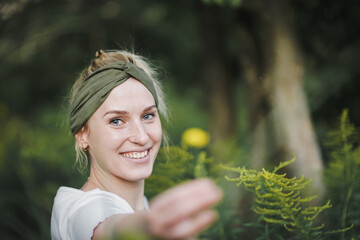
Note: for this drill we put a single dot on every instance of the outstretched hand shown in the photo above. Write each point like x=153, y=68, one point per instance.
x=184, y=211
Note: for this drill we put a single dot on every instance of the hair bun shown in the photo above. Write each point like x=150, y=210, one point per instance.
x=99, y=53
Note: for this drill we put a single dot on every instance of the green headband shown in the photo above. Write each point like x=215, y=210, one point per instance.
x=96, y=88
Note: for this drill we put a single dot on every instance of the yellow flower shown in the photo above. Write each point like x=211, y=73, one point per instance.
x=195, y=137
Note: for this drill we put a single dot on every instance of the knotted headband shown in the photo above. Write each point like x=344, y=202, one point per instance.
x=96, y=88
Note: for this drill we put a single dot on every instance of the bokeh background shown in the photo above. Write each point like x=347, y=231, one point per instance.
x=268, y=77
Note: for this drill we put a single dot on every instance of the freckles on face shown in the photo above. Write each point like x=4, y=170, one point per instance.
x=125, y=132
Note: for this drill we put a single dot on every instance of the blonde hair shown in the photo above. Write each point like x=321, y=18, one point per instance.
x=103, y=58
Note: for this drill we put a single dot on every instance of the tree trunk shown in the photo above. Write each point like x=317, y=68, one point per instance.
x=273, y=70
x=216, y=77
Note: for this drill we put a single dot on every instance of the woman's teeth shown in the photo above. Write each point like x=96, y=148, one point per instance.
x=136, y=155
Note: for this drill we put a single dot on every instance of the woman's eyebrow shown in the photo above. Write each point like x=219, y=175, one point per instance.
x=149, y=108
x=123, y=112
x=117, y=112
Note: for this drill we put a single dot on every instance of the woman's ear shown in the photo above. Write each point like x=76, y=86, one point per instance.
x=82, y=138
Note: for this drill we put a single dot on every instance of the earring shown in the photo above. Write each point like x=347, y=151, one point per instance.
x=84, y=149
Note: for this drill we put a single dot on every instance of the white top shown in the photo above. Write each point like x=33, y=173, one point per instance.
x=76, y=213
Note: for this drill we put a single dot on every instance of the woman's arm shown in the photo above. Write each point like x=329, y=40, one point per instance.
x=179, y=213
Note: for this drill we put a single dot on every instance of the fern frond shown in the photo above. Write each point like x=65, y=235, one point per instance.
x=284, y=164
x=343, y=172
x=266, y=211
x=339, y=230
x=273, y=220
x=279, y=200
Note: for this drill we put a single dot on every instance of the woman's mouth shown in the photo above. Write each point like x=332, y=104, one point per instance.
x=136, y=155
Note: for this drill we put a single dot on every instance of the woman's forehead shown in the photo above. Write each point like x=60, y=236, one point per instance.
x=131, y=93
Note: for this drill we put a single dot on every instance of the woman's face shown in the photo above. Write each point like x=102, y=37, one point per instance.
x=124, y=134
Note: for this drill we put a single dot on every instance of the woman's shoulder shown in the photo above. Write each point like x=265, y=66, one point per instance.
x=76, y=209
x=74, y=204
x=72, y=199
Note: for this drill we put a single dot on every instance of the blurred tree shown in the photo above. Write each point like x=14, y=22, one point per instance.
x=273, y=69
x=331, y=47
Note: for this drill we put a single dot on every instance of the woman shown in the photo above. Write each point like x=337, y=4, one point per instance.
x=115, y=110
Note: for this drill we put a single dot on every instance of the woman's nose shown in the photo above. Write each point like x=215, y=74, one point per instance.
x=138, y=134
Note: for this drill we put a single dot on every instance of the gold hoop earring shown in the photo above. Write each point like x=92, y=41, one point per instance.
x=84, y=149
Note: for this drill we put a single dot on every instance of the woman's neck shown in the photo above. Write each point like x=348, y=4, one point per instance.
x=131, y=191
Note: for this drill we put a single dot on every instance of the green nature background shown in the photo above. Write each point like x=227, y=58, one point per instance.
x=220, y=63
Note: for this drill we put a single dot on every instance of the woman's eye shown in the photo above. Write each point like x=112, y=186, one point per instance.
x=149, y=116
x=116, y=121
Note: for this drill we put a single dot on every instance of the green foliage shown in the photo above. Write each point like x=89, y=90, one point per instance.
x=200, y=167
x=173, y=166
x=36, y=157
x=279, y=200
x=284, y=212
x=343, y=173
x=232, y=3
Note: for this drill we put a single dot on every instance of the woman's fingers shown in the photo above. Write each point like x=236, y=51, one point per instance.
x=198, y=188
x=184, y=200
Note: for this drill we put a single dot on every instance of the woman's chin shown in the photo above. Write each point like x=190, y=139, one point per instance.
x=140, y=176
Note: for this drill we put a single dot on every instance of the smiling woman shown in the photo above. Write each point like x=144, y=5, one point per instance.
x=115, y=110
